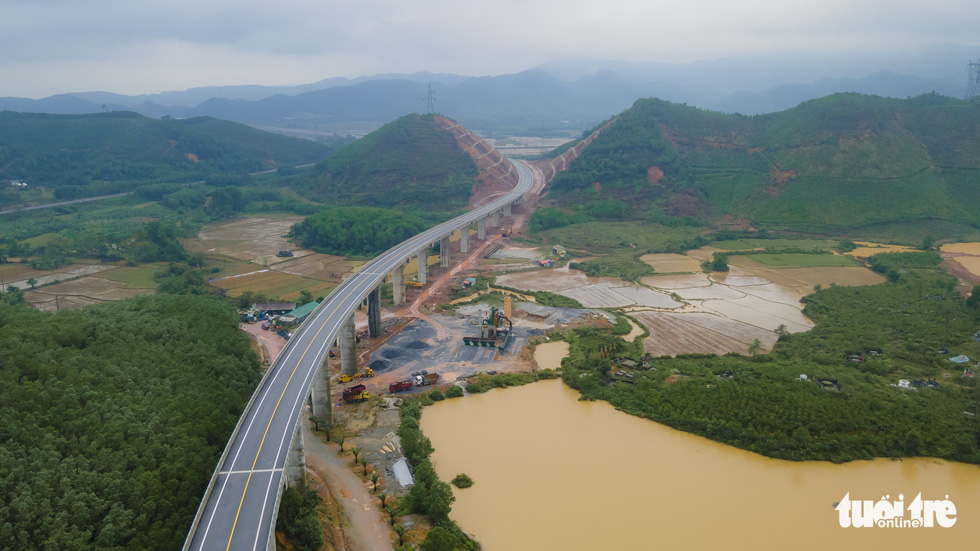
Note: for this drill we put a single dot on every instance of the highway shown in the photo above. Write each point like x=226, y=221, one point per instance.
x=238, y=507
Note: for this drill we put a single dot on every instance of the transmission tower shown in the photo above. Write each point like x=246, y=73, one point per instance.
x=973, y=80
x=429, y=99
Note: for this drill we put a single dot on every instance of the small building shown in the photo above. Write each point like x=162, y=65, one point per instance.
x=904, y=383
x=559, y=251
x=301, y=312
x=18, y=184
x=275, y=308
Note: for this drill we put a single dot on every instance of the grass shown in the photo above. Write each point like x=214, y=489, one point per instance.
x=749, y=244
x=616, y=237
x=801, y=260
x=138, y=277
x=612, y=241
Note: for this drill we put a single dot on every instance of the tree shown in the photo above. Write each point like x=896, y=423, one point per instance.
x=400, y=530
x=363, y=462
x=439, y=539
x=927, y=242
x=305, y=296
x=340, y=440
x=316, y=422
x=754, y=347
x=383, y=496
x=391, y=513
x=355, y=451
x=32, y=282
x=374, y=480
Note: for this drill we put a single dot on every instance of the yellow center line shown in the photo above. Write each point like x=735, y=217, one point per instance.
x=273, y=416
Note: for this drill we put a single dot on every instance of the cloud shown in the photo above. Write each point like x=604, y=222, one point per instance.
x=66, y=45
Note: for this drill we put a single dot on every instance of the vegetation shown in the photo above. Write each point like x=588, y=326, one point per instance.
x=113, y=418
x=102, y=153
x=763, y=404
x=429, y=495
x=298, y=519
x=462, y=480
x=410, y=162
x=832, y=164
x=356, y=231
x=629, y=269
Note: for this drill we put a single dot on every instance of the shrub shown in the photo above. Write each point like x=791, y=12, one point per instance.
x=437, y=395
x=454, y=392
x=462, y=480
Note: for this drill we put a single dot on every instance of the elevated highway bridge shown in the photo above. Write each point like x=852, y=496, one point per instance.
x=265, y=452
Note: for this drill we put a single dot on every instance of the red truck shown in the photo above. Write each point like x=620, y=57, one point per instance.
x=356, y=393
x=399, y=386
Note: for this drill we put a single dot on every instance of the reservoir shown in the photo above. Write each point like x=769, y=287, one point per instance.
x=552, y=472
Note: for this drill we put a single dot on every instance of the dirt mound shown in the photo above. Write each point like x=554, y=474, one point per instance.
x=380, y=365
x=417, y=345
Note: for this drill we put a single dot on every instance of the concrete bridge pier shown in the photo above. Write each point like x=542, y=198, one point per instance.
x=423, y=261
x=374, y=313
x=398, y=284
x=321, y=391
x=296, y=462
x=507, y=209
x=464, y=240
x=348, y=349
x=481, y=229
x=495, y=219
x=444, y=252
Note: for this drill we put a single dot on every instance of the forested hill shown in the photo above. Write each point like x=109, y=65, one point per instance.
x=112, y=419
x=85, y=155
x=409, y=162
x=838, y=162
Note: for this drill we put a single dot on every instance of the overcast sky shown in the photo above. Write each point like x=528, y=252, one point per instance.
x=132, y=46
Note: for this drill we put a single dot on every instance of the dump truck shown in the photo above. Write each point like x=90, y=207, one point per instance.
x=400, y=386
x=356, y=393
x=427, y=379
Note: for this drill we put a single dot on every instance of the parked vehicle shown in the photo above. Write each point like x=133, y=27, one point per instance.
x=368, y=372
x=400, y=386
x=356, y=393
x=345, y=378
x=427, y=379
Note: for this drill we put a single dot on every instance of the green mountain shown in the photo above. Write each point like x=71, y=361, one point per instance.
x=828, y=165
x=84, y=155
x=410, y=162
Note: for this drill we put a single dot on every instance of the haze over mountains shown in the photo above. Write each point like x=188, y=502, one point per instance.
x=571, y=94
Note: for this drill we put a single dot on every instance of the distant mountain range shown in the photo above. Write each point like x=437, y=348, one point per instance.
x=569, y=95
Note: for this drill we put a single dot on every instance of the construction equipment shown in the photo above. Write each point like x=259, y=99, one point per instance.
x=345, y=378
x=368, y=372
x=356, y=393
x=494, y=331
x=413, y=283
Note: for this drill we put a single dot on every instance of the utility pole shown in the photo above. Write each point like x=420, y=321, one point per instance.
x=430, y=98
x=973, y=80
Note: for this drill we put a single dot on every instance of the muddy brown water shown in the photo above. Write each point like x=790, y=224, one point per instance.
x=549, y=355
x=553, y=472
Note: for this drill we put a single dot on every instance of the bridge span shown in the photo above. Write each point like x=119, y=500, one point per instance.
x=265, y=451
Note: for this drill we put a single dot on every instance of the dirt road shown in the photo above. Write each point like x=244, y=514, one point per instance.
x=367, y=528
